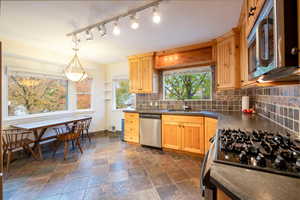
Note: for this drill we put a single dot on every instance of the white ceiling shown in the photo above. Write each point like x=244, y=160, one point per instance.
x=44, y=24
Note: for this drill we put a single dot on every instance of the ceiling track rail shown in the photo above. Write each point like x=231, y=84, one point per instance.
x=115, y=18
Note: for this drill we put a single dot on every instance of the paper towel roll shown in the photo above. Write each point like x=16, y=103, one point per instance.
x=245, y=102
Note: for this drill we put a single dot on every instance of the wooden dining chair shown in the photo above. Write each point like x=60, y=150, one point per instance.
x=16, y=139
x=86, y=127
x=66, y=135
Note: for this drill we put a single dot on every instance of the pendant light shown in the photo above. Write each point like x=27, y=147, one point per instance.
x=74, y=71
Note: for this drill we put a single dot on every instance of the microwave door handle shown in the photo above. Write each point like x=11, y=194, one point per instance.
x=264, y=62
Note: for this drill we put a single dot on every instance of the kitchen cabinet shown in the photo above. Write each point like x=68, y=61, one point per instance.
x=210, y=131
x=253, y=9
x=187, y=56
x=142, y=76
x=185, y=133
x=228, y=61
x=132, y=127
x=193, y=137
x=171, y=134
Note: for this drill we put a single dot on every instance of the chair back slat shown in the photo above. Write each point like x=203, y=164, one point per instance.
x=14, y=138
x=71, y=132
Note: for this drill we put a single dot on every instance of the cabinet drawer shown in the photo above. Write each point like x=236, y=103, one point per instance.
x=131, y=116
x=131, y=122
x=183, y=118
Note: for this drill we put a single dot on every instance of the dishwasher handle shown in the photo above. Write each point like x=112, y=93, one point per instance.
x=150, y=116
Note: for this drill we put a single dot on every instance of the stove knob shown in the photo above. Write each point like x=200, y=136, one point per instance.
x=280, y=163
x=243, y=157
x=261, y=161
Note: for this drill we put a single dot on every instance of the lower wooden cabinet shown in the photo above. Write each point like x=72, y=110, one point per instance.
x=171, y=135
x=184, y=133
x=132, y=127
x=193, y=137
x=210, y=131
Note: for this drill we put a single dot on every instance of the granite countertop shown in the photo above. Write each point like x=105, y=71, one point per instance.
x=244, y=183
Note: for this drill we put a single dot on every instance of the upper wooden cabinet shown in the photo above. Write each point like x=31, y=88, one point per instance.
x=228, y=60
x=253, y=9
x=187, y=56
x=142, y=75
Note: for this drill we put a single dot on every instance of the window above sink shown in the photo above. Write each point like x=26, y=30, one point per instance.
x=188, y=84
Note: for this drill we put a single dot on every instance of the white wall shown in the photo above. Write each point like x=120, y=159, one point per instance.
x=115, y=70
x=21, y=56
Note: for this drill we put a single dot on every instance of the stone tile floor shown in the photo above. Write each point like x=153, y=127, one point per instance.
x=108, y=169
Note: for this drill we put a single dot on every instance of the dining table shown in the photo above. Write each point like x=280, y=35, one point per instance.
x=39, y=128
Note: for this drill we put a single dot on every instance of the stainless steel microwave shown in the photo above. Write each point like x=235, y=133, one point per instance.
x=273, y=41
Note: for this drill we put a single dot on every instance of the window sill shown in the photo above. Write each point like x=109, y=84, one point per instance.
x=44, y=116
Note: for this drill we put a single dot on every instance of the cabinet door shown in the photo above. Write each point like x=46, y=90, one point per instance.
x=225, y=53
x=244, y=56
x=171, y=132
x=135, y=84
x=210, y=131
x=193, y=137
x=132, y=127
x=228, y=72
x=146, y=72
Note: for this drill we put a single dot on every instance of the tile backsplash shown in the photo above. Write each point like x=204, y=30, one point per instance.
x=280, y=104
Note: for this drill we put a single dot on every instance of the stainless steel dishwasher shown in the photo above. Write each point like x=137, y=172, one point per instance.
x=150, y=130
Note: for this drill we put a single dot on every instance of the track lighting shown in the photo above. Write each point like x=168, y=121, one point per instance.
x=116, y=29
x=156, y=16
x=102, y=30
x=89, y=35
x=134, y=23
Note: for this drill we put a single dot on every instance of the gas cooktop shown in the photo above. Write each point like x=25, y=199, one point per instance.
x=260, y=150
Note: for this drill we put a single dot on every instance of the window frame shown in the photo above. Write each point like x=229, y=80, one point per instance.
x=114, y=97
x=71, y=97
x=76, y=93
x=197, y=69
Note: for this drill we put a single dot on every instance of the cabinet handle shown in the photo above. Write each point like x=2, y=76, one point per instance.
x=252, y=9
x=250, y=14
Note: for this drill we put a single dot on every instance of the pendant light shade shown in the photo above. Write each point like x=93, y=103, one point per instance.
x=74, y=71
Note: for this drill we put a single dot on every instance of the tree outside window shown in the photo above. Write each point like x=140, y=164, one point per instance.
x=123, y=99
x=34, y=93
x=188, y=84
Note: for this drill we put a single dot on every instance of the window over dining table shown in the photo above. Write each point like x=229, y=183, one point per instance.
x=83, y=93
x=33, y=93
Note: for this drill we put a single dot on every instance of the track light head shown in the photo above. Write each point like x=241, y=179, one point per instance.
x=116, y=29
x=89, y=35
x=134, y=23
x=156, y=16
x=102, y=30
